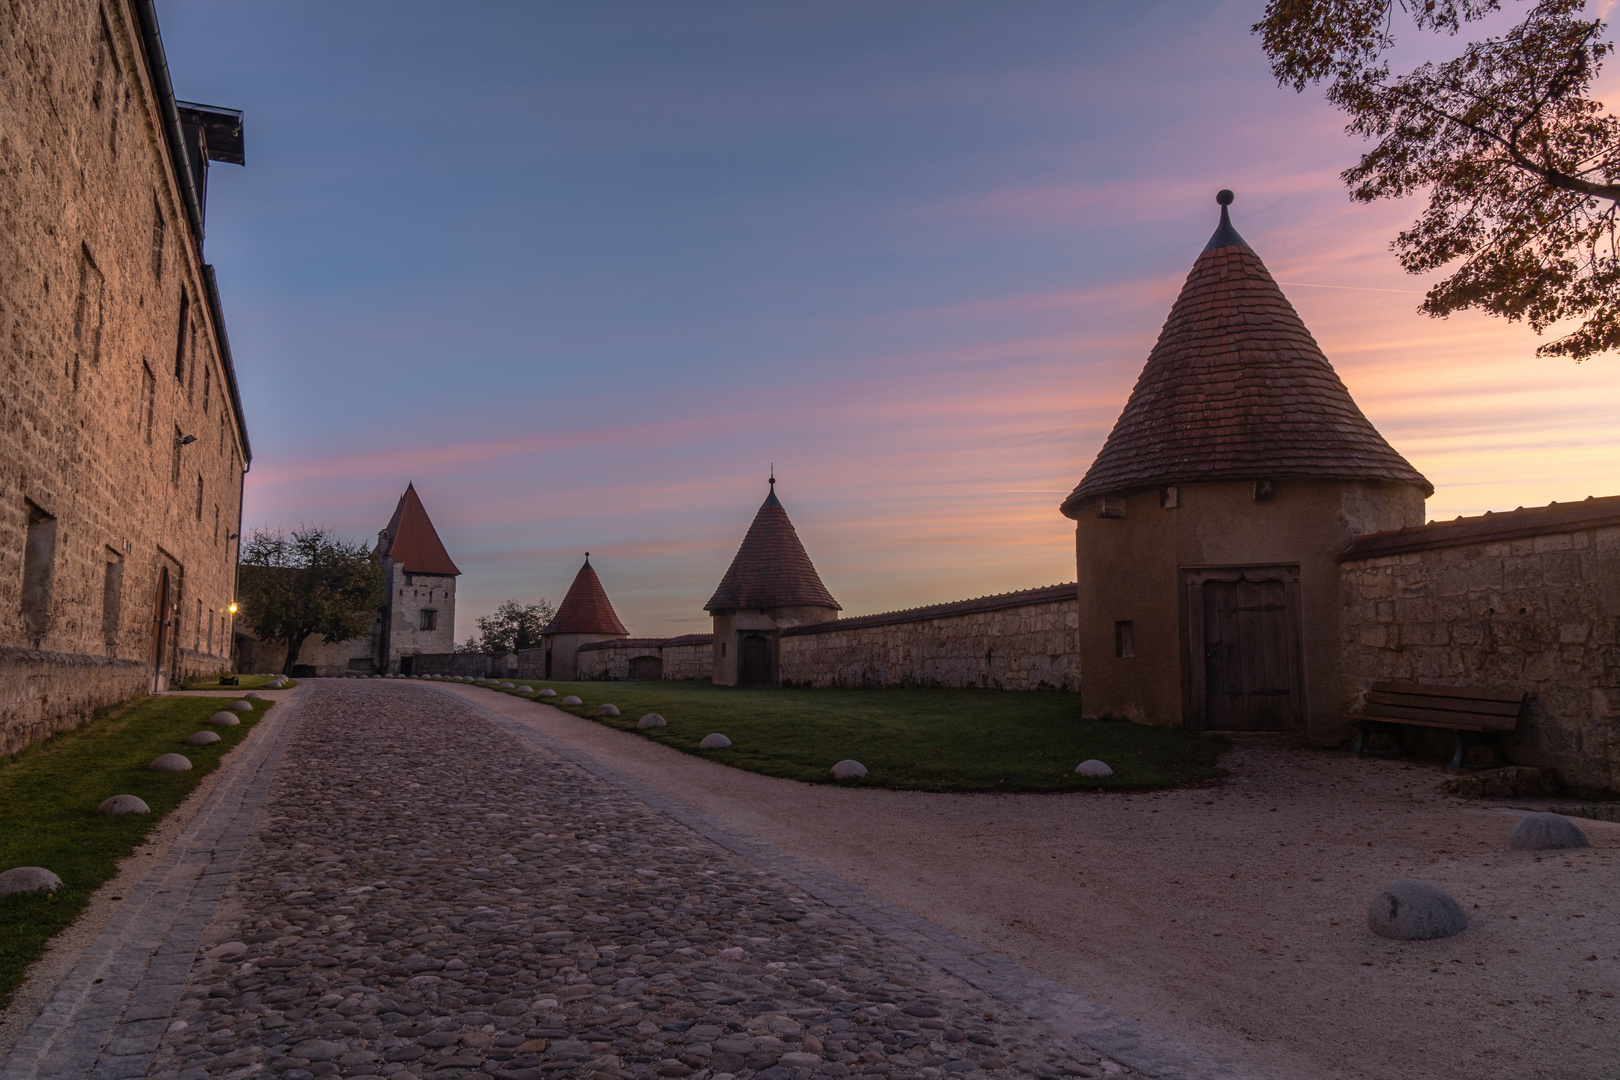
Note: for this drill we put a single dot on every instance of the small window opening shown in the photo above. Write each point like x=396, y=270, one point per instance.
x=1262, y=490
x=160, y=229
x=149, y=399
x=199, y=498
x=182, y=337
x=430, y=619
x=1111, y=506
x=39, y=567
x=112, y=598
x=174, y=457
x=1168, y=498
x=722, y=650
x=208, y=388
x=1124, y=640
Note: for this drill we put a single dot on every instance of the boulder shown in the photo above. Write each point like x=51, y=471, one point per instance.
x=651, y=720
x=1546, y=832
x=507, y=686
x=849, y=769
x=204, y=738
x=547, y=692
x=252, y=695
x=225, y=719
x=1408, y=910
x=240, y=706
x=126, y=804
x=525, y=689
x=28, y=879
x=714, y=742
x=571, y=700
x=1093, y=767
x=607, y=710
x=170, y=763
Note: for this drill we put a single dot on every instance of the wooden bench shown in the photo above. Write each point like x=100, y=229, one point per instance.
x=1470, y=711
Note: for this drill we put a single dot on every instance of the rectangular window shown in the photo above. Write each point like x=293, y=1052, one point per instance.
x=148, y=399
x=196, y=631
x=159, y=229
x=210, y=630
x=1124, y=640
x=182, y=337
x=430, y=619
x=208, y=387
x=112, y=598
x=199, y=501
x=87, y=315
x=216, y=523
x=174, y=463
x=39, y=567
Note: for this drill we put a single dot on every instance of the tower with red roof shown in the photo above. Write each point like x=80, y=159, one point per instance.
x=770, y=585
x=1208, y=526
x=419, y=611
x=585, y=615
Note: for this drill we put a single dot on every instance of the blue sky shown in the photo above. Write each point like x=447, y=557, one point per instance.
x=583, y=272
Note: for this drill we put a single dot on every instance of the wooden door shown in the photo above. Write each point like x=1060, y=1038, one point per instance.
x=647, y=668
x=162, y=621
x=1244, y=636
x=754, y=661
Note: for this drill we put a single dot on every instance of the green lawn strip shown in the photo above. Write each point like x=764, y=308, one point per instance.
x=244, y=683
x=48, y=798
x=924, y=740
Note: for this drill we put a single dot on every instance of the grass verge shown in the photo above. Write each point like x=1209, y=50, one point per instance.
x=923, y=740
x=244, y=683
x=48, y=798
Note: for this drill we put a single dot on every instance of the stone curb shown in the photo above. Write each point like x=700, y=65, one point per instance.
x=1069, y=1013
x=106, y=1016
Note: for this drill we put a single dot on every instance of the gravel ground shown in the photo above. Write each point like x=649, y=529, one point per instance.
x=428, y=895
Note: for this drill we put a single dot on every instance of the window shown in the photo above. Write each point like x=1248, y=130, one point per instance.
x=159, y=229
x=174, y=462
x=208, y=387
x=182, y=337
x=1124, y=640
x=199, y=501
x=112, y=597
x=87, y=310
x=216, y=523
x=109, y=86
x=430, y=619
x=148, y=399
x=196, y=631
x=39, y=565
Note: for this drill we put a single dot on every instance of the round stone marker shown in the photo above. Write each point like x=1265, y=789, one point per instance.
x=571, y=700
x=125, y=804
x=170, y=763
x=1408, y=910
x=203, y=738
x=252, y=695
x=651, y=720
x=1093, y=767
x=507, y=686
x=1546, y=832
x=240, y=706
x=547, y=692
x=607, y=710
x=525, y=689
x=28, y=879
x=225, y=719
x=714, y=742
x=849, y=769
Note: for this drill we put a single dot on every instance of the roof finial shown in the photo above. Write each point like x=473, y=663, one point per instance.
x=773, y=476
x=1225, y=235
x=587, y=558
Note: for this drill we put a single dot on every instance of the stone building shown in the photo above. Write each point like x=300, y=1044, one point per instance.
x=770, y=585
x=584, y=616
x=1209, y=525
x=122, y=441
x=417, y=616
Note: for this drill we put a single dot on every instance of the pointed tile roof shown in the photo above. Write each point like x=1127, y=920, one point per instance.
x=771, y=568
x=586, y=609
x=412, y=541
x=1237, y=389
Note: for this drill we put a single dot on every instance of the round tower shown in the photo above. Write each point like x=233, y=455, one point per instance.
x=585, y=615
x=1208, y=526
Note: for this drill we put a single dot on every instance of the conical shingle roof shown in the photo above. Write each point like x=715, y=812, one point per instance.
x=771, y=568
x=1237, y=389
x=412, y=541
x=585, y=610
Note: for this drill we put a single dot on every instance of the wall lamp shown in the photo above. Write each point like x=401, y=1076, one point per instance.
x=186, y=440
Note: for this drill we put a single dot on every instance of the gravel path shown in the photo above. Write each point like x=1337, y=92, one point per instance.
x=429, y=894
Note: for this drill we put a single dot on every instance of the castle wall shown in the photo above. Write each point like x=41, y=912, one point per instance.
x=1019, y=641
x=617, y=660
x=690, y=656
x=97, y=497
x=410, y=598
x=1539, y=613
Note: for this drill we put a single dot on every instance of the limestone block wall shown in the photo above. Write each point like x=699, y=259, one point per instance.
x=1528, y=600
x=615, y=660
x=410, y=597
x=690, y=656
x=49, y=692
x=1015, y=641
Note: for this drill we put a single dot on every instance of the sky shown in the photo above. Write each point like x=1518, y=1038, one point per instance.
x=585, y=272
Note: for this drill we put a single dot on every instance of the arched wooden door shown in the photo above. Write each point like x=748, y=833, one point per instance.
x=162, y=625
x=754, y=661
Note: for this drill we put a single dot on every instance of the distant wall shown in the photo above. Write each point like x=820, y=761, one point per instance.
x=1524, y=601
x=1014, y=641
x=690, y=656
x=617, y=660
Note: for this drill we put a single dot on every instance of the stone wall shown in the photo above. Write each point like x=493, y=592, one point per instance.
x=690, y=656
x=113, y=349
x=50, y=692
x=1015, y=641
x=617, y=660
x=1528, y=600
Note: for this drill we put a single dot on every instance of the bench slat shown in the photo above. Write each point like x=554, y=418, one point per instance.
x=1474, y=692
x=1460, y=705
x=1441, y=718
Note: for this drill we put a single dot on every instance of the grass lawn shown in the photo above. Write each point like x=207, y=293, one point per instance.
x=48, y=797
x=926, y=740
x=244, y=683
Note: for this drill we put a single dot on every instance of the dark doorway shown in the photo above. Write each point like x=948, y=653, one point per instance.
x=548, y=663
x=754, y=660
x=161, y=622
x=647, y=668
x=407, y=665
x=1244, y=632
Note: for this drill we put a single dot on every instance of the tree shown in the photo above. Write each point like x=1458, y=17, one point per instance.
x=1520, y=164
x=307, y=582
x=514, y=625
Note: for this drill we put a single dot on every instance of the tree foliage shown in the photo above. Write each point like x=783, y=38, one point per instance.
x=305, y=582
x=1519, y=163
x=514, y=625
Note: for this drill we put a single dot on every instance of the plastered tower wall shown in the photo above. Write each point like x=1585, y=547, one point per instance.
x=421, y=614
x=97, y=497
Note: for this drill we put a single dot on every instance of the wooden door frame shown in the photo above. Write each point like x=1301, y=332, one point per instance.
x=1197, y=687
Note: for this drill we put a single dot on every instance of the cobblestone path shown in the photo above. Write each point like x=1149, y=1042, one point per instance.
x=427, y=895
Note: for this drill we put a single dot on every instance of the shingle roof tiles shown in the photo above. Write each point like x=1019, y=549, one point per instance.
x=585, y=609
x=771, y=568
x=413, y=542
x=1237, y=389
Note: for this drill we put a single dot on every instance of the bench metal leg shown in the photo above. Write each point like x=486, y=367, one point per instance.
x=1465, y=743
x=1363, y=735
